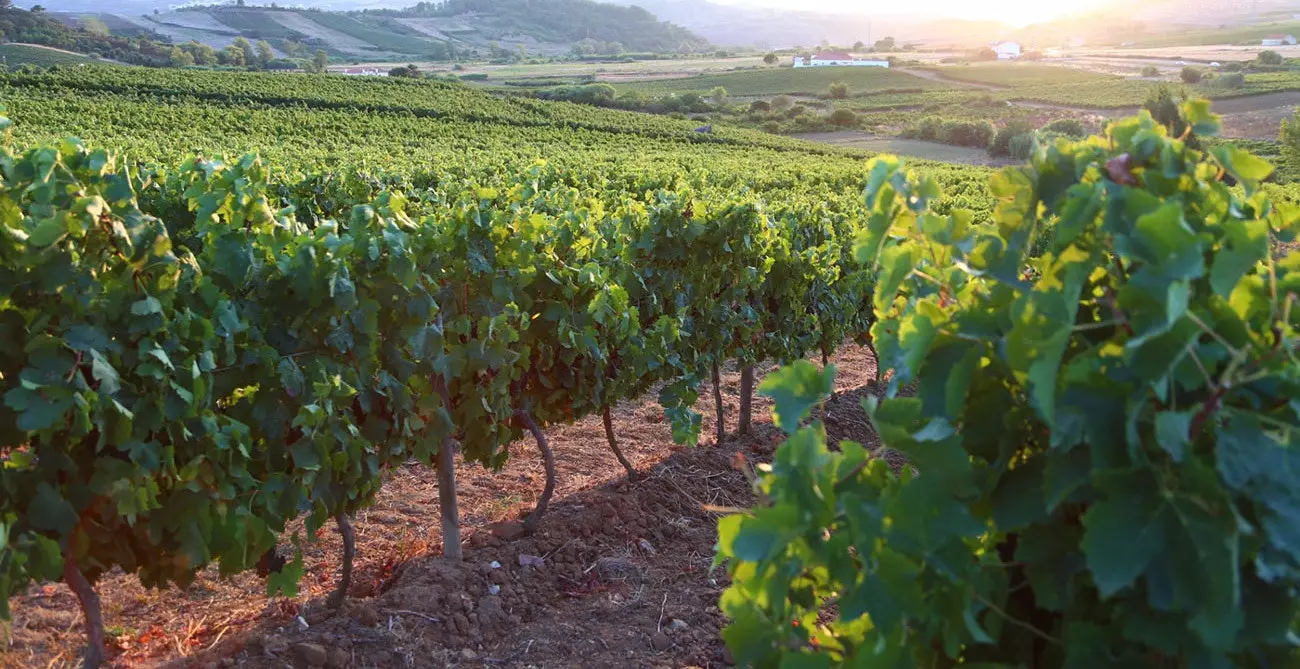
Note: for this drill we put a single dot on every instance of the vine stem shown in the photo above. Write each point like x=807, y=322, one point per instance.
x=89, y=599
x=349, y=553
x=1018, y=622
x=746, y=399
x=608, y=420
x=717, y=402
x=548, y=461
x=445, y=467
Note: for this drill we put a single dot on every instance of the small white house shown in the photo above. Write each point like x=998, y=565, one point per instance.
x=363, y=72
x=1278, y=40
x=837, y=59
x=1006, y=50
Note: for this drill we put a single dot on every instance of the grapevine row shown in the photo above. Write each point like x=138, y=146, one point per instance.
x=191, y=366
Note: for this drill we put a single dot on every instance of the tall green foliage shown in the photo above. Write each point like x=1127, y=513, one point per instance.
x=1103, y=436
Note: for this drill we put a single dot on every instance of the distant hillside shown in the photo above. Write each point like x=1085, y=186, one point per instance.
x=83, y=37
x=555, y=21
x=427, y=31
x=766, y=27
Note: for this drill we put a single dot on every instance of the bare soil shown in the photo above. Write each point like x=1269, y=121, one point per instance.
x=618, y=575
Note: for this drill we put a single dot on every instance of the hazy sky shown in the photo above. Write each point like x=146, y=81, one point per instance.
x=1016, y=12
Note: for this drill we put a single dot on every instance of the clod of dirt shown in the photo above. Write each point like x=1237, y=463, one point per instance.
x=366, y=615
x=312, y=654
x=339, y=659
x=660, y=641
x=275, y=644
x=678, y=625
x=646, y=546
x=617, y=569
x=509, y=531
x=468, y=655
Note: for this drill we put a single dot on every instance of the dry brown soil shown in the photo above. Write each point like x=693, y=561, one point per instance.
x=618, y=575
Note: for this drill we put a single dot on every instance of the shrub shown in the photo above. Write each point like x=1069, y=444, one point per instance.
x=760, y=106
x=477, y=76
x=843, y=118
x=929, y=127
x=1191, y=75
x=781, y=103
x=1150, y=71
x=1232, y=67
x=1103, y=449
x=977, y=134
x=1230, y=80
x=839, y=90
x=1021, y=147
x=770, y=59
x=1070, y=127
x=1269, y=58
x=797, y=110
x=1001, y=144
x=718, y=96
x=772, y=127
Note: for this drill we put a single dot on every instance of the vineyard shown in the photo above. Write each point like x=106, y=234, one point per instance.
x=237, y=305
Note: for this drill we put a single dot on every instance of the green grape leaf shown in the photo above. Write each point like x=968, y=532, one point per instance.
x=49, y=511
x=795, y=390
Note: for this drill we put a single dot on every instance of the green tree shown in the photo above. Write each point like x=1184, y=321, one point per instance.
x=265, y=54
x=1191, y=75
x=885, y=44
x=718, y=96
x=203, y=53
x=181, y=58
x=232, y=55
x=320, y=61
x=1150, y=71
x=859, y=45
x=838, y=91
x=770, y=59
x=291, y=48
x=781, y=103
x=250, y=54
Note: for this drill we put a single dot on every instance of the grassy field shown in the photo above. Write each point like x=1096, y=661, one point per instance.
x=789, y=81
x=1018, y=75
x=17, y=55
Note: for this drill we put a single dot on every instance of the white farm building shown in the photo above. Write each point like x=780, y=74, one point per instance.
x=1006, y=50
x=1278, y=40
x=837, y=59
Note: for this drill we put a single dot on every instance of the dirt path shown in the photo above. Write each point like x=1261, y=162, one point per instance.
x=601, y=597
x=936, y=76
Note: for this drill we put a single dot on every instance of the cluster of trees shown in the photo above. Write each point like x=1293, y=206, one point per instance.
x=595, y=47
x=36, y=27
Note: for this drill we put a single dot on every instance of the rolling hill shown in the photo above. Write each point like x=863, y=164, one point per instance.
x=478, y=28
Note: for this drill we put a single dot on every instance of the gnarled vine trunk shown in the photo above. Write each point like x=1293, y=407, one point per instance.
x=717, y=402
x=608, y=420
x=349, y=553
x=548, y=461
x=445, y=465
x=89, y=599
x=746, y=399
